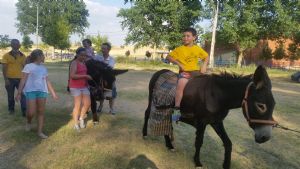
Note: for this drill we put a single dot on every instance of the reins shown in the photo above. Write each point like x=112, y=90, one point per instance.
x=101, y=85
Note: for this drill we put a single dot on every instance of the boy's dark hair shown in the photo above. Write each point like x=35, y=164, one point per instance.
x=107, y=44
x=35, y=54
x=87, y=41
x=192, y=30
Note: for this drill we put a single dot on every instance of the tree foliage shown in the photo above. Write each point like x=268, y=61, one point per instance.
x=266, y=52
x=53, y=15
x=58, y=34
x=97, y=41
x=244, y=22
x=26, y=42
x=159, y=23
x=279, y=52
x=4, y=41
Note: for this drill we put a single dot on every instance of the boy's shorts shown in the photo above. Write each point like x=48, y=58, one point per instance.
x=188, y=75
x=36, y=95
x=79, y=91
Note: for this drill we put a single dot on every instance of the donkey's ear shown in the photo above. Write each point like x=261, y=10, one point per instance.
x=119, y=71
x=261, y=78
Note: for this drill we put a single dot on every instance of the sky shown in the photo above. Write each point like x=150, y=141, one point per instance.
x=102, y=18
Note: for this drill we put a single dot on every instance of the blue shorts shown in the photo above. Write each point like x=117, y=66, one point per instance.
x=36, y=95
x=79, y=91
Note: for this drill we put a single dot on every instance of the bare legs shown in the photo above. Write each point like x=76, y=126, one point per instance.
x=179, y=90
x=78, y=110
x=36, y=106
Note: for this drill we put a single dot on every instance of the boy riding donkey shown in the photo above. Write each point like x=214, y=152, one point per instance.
x=187, y=58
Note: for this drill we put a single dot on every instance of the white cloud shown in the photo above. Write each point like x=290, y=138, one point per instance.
x=103, y=19
x=8, y=17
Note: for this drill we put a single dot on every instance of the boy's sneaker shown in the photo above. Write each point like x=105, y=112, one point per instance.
x=81, y=123
x=28, y=127
x=76, y=127
x=42, y=135
x=176, y=115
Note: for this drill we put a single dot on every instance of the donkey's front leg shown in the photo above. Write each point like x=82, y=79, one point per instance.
x=220, y=130
x=94, y=111
x=198, y=143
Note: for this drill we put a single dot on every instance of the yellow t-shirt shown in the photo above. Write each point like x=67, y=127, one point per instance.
x=189, y=56
x=14, y=65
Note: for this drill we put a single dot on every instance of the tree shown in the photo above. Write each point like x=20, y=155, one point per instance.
x=238, y=25
x=279, y=52
x=52, y=15
x=244, y=22
x=4, y=41
x=26, y=42
x=97, y=41
x=58, y=34
x=159, y=23
x=266, y=52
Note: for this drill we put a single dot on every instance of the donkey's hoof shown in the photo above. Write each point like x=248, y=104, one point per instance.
x=96, y=123
x=145, y=137
x=199, y=167
x=172, y=149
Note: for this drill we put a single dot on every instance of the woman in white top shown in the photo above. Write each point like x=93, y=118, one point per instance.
x=35, y=85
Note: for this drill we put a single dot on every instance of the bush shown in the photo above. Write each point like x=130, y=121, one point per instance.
x=279, y=52
x=266, y=52
x=148, y=54
x=294, y=52
x=127, y=53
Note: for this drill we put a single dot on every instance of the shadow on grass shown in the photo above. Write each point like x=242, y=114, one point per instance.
x=141, y=162
x=21, y=142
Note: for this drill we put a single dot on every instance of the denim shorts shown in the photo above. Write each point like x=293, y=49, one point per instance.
x=36, y=95
x=184, y=75
x=79, y=91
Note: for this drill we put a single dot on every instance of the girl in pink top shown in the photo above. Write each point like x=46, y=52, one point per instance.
x=79, y=88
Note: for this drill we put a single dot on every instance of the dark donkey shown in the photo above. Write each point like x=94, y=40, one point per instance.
x=210, y=97
x=103, y=78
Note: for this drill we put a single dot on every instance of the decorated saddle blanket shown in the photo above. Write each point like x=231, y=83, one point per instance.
x=164, y=90
x=163, y=99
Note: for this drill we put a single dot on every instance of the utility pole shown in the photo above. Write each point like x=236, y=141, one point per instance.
x=37, y=25
x=213, y=39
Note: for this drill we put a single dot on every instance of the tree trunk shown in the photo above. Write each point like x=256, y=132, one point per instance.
x=240, y=59
x=214, y=28
x=154, y=53
x=61, y=55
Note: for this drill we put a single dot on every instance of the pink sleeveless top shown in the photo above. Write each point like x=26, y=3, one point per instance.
x=79, y=83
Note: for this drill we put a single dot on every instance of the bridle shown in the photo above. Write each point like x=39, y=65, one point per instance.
x=101, y=85
x=246, y=111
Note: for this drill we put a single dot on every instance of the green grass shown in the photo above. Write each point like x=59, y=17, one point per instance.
x=117, y=143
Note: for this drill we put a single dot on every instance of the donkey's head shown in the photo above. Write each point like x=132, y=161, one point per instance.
x=258, y=105
x=103, y=77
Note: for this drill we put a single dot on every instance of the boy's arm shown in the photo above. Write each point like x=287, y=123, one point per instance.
x=204, y=65
x=174, y=61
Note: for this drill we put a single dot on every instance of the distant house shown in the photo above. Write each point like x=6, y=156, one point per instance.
x=253, y=55
x=226, y=54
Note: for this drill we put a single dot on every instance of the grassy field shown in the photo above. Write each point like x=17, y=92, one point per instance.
x=117, y=143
